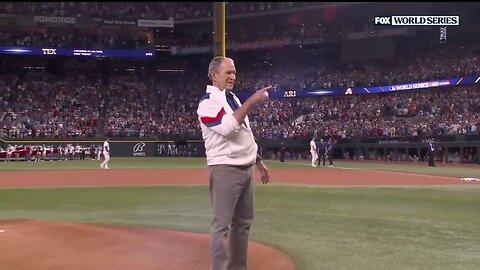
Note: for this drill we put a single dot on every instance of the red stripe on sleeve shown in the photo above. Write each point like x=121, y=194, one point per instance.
x=213, y=120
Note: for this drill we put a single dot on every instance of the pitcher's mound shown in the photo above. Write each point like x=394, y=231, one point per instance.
x=39, y=245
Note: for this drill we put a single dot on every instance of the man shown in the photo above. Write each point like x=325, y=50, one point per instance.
x=66, y=151
x=9, y=153
x=44, y=153
x=329, y=152
x=313, y=151
x=82, y=152
x=431, y=153
x=231, y=155
x=106, y=154
x=17, y=153
x=321, y=153
x=78, y=150
x=283, y=150
x=38, y=155
x=28, y=153
x=99, y=152
x=71, y=149
x=92, y=152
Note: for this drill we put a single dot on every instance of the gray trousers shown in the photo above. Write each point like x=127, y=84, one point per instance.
x=232, y=198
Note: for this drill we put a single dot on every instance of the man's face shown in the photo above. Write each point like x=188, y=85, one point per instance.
x=224, y=77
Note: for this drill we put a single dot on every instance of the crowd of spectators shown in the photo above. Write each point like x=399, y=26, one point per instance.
x=144, y=10
x=99, y=40
x=130, y=108
x=416, y=113
x=178, y=96
x=245, y=33
x=315, y=72
x=40, y=105
x=46, y=106
x=165, y=105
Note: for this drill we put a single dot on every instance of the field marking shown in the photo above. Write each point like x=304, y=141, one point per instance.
x=442, y=187
x=378, y=171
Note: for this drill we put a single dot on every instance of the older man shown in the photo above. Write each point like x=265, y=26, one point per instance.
x=231, y=155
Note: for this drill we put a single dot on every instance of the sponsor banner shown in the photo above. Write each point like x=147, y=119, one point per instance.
x=180, y=149
x=77, y=52
x=276, y=43
x=393, y=141
x=176, y=50
x=120, y=22
x=267, y=44
x=132, y=149
x=54, y=20
x=8, y=19
x=401, y=31
x=315, y=92
x=155, y=23
x=138, y=150
x=309, y=41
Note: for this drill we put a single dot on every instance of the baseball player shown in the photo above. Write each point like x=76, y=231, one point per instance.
x=313, y=151
x=60, y=152
x=99, y=152
x=9, y=153
x=77, y=152
x=17, y=153
x=71, y=150
x=44, y=153
x=65, y=152
x=106, y=154
x=431, y=153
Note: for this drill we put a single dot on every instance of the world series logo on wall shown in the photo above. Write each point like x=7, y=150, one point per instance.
x=139, y=149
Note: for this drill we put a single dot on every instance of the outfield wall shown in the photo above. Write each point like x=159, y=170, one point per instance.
x=118, y=148
x=447, y=147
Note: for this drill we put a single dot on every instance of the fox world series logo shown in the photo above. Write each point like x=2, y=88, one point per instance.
x=417, y=20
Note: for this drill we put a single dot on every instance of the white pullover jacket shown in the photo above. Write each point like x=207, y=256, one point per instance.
x=226, y=141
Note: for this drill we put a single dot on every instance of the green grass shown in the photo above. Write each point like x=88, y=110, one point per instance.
x=321, y=228
x=422, y=168
x=199, y=163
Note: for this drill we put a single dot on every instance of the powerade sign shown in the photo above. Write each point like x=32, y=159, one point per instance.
x=55, y=20
x=77, y=52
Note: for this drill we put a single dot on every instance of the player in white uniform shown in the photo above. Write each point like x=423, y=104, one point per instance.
x=99, y=151
x=313, y=151
x=9, y=153
x=65, y=152
x=71, y=149
x=44, y=153
x=106, y=154
x=77, y=151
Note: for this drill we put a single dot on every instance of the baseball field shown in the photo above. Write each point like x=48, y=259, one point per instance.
x=154, y=213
